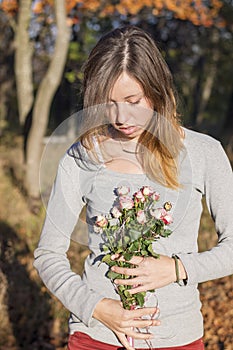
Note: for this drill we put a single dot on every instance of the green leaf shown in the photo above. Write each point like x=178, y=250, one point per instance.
x=144, y=253
x=151, y=250
x=134, y=246
x=107, y=259
x=113, y=275
x=140, y=299
x=167, y=233
x=127, y=256
x=105, y=248
x=119, y=250
x=127, y=294
x=121, y=288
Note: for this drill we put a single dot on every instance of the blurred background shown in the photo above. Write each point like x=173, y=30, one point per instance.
x=44, y=44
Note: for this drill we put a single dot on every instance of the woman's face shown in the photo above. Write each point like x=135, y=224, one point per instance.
x=129, y=110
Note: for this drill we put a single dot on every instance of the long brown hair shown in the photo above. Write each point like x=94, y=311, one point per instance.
x=132, y=50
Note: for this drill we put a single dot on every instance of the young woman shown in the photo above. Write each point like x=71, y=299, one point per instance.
x=132, y=137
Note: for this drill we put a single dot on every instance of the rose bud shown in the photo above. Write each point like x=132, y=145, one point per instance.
x=116, y=213
x=147, y=191
x=122, y=191
x=155, y=196
x=101, y=221
x=167, y=206
x=141, y=217
x=126, y=203
x=139, y=197
x=167, y=219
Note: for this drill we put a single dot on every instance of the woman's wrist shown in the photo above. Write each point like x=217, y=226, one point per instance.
x=98, y=308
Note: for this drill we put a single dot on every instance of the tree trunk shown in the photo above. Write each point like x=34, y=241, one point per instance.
x=23, y=61
x=228, y=125
x=210, y=78
x=197, y=89
x=227, y=132
x=43, y=101
x=5, y=87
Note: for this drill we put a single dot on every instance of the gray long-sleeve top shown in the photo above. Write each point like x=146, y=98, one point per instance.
x=204, y=171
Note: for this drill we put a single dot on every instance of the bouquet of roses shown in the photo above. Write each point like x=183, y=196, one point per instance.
x=133, y=225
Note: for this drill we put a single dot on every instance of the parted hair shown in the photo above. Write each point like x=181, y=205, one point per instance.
x=132, y=50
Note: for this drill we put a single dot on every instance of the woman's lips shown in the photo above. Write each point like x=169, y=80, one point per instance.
x=128, y=130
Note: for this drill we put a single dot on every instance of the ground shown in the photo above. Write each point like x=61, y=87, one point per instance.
x=32, y=319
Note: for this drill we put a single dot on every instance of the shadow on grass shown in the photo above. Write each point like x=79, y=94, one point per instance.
x=28, y=307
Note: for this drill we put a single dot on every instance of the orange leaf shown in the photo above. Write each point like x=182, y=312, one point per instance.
x=9, y=6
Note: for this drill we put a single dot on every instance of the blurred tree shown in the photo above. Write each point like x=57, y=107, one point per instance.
x=200, y=59
x=6, y=70
x=23, y=61
x=49, y=34
x=40, y=105
x=43, y=100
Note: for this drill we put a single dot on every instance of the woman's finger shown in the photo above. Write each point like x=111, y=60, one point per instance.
x=123, y=340
x=141, y=323
x=135, y=260
x=115, y=257
x=138, y=284
x=130, y=281
x=135, y=271
x=140, y=312
x=134, y=333
x=140, y=288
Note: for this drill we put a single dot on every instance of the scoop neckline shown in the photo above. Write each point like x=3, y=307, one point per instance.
x=117, y=173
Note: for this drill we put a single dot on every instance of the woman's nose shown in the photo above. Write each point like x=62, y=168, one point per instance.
x=121, y=113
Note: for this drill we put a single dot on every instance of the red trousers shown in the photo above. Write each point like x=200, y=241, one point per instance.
x=82, y=341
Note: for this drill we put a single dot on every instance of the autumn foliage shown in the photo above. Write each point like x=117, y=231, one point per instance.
x=199, y=12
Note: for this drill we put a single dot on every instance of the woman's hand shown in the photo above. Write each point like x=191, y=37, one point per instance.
x=125, y=322
x=149, y=273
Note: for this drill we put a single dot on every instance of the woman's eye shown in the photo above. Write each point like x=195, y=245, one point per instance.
x=111, y=104
x=134, y=102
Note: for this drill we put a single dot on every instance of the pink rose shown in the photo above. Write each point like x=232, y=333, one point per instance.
x=141, y=217
x=98, y=229
x=101, y=221
x=161, y=214
x=167, y=219
x=147, y=190
x=155, y=196
x=122, y=191
x=158, y=213
x=139, y=197
x=126, y=203
x=116, y=213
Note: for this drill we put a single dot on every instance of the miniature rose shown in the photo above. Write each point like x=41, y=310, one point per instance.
x=147, y=191
x=116, y=213
x=133, y=223
x=101, y=221
x=126, y=203
x=141, y=217
x=139, y=197
x=157, y=213
x=98, y=229
x=122, y=191
x=155, y=196
x=167, y=219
